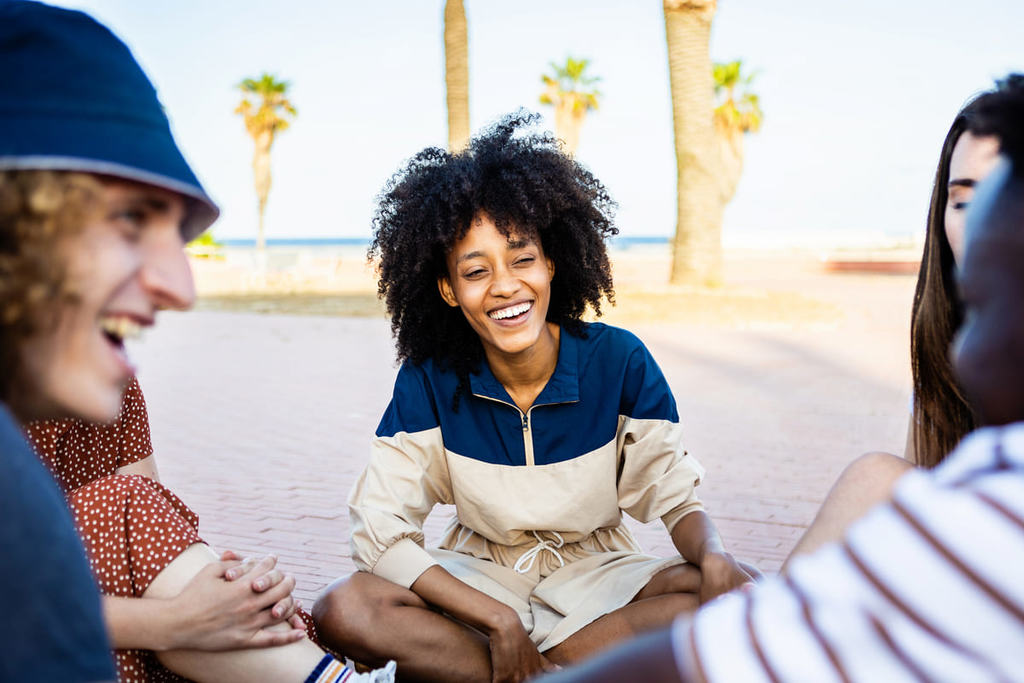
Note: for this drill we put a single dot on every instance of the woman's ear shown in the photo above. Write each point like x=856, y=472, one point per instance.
x=551, y=268
x=447, y=293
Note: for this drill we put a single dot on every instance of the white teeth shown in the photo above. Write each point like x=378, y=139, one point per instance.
x=511, y=311
x=121, y=327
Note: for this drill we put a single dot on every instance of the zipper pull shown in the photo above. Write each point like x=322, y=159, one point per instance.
x=526, y=422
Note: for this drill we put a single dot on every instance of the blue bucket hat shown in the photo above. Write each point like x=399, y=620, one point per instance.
x=73, y=98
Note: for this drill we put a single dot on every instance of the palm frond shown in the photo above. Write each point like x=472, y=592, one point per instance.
x=274, y=111
x=736, y=108
x=569, y=83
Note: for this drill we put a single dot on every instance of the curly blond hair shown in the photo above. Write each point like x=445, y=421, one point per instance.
x=37, y=210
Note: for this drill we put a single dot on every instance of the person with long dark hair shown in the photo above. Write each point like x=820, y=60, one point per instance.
x=941, y=413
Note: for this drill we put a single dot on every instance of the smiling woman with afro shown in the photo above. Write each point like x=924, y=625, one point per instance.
x=525, y=184
x=540, y=428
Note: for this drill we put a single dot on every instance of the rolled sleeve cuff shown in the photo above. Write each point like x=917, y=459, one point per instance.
x=672, y=517
x=403, y=563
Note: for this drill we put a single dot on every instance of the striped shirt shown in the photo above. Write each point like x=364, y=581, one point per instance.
x=927, y=588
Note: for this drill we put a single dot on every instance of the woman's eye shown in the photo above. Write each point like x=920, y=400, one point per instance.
x=475, y=273
x=960, y=206
x=525, y=260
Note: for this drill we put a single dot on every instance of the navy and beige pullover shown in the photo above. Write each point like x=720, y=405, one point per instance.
x=603, y=436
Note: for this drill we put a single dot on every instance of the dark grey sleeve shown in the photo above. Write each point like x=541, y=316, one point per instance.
x=52, y=627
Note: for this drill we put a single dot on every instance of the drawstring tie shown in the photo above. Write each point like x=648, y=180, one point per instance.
x=525, y=561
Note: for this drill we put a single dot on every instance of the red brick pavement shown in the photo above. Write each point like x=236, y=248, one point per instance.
x=261, y=423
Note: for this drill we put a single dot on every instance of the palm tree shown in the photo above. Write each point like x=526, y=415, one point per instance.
x=697, y=246
x=456, y=73
x=569, y=91
x=269, y=116
x=737, y=112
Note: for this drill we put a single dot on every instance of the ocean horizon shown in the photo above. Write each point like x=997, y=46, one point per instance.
x=746, y=239
x=619, y=242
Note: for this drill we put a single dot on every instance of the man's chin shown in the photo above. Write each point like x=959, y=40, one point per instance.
x=93, y=402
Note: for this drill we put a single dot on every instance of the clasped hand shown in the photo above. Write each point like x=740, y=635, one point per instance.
x=231, y=605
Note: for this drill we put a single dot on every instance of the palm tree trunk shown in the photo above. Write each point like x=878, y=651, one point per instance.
x=697, y=246
x=456, y=74
x=568, y=122
x=260, y=241
x=262, y=179
x=730, y=154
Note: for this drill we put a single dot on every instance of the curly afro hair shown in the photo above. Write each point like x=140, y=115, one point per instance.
x=528, y=187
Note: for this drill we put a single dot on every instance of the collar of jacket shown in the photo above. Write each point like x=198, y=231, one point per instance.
x=563, y=387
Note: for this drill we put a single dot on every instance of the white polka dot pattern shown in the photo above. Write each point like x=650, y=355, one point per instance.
x=78, y=453
x=131, y=526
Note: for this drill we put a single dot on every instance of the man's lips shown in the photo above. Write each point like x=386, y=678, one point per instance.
x=120, y=326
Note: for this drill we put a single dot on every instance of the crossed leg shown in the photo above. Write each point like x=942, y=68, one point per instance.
x=670, y=592
x=375, y=620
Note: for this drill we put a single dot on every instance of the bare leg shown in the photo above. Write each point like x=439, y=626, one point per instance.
x=866, y=482
x=669, y=593
x=680, y=578
x=286, y=663
x=649, y=657
x=374, y=620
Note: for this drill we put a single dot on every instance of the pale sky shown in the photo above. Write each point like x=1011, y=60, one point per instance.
x=857, y=98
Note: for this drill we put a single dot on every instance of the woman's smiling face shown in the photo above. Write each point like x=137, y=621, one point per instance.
x=125, y=264
x=502, y=284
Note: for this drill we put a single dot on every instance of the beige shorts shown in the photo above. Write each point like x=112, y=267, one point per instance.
x=555, y=605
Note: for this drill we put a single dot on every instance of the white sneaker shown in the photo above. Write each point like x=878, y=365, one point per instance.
x=385, y=674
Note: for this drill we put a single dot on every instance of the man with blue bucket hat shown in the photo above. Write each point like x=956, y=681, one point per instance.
x=81, y=128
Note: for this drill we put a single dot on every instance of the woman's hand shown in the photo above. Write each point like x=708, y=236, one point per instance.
x=286, y=608
x=216, y=613
x=697, y=540
x=720, y=573
x=514, y=657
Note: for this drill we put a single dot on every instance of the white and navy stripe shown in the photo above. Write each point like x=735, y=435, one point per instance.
x=927, y=588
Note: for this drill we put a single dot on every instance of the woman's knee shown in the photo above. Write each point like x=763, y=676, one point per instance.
x=878, y=467
x=350, y=606
x=682, y=578
x=339, y=598
x=679, y=578
x=875, y=474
